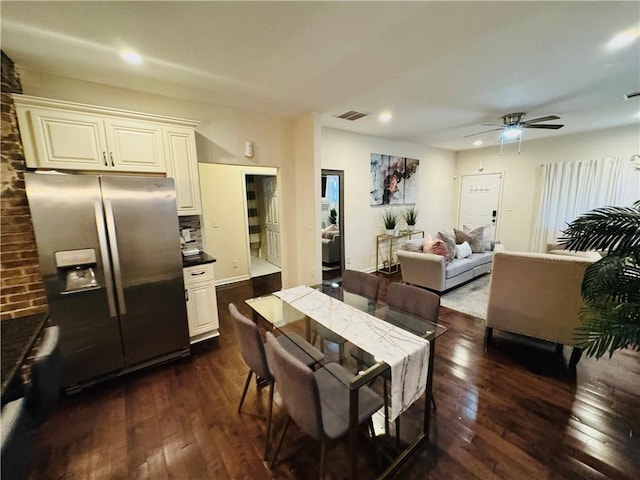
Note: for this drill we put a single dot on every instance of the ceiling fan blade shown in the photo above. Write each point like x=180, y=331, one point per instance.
x=485, y=131
x=550, y=126
x=492, y=124
x=542, y=119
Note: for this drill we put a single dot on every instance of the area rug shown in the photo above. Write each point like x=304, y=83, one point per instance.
x=470, y=298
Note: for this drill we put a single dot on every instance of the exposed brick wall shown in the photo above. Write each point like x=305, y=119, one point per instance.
x=21, y=288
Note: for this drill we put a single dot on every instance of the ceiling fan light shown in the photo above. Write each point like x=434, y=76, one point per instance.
x=511, y=133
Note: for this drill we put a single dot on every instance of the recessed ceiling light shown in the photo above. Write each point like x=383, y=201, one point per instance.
x=623, y=39
x=477, y=143
x=384, y=117
x=131, y=57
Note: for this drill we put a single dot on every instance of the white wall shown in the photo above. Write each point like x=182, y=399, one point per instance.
x=351, y=152
x=521, y=172
x=222, y=186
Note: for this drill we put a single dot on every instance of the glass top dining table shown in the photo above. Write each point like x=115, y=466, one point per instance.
x=287, y=320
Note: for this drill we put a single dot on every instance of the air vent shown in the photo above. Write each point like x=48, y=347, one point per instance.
x=351, y=115
x=629, y=96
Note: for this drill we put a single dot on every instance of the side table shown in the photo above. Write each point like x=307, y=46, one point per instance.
x=389, y=266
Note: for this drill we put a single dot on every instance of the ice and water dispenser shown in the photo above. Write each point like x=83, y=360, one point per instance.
x=76, y=270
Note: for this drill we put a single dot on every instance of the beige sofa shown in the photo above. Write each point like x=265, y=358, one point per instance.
x=538, y=295
x=430, y=271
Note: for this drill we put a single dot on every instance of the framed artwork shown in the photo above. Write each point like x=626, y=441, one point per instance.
x=394, y=180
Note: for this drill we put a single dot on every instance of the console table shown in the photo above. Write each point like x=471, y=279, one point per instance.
x=390, y=267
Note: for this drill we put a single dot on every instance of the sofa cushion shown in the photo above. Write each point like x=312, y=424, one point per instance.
x=413, y=245
x=463, y=250
x=458, y=266
x=449, y=239
x=438, y=247
x=481, y=258
x=474, y=237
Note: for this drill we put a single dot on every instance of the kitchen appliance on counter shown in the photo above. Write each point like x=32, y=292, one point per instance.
x=109, y=251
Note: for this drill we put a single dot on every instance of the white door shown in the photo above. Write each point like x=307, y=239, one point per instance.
x=479, y=201
x=272, y=225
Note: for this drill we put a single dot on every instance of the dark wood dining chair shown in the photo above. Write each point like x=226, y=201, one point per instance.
x=318, y=402
x=360, y=283
x=253, y=353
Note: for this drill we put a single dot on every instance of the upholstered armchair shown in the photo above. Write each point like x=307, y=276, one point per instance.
x=537, y=295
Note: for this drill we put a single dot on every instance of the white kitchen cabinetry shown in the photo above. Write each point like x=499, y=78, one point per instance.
x=70, y=136
x=202, y=305
x=182, y=166
x=58, y=136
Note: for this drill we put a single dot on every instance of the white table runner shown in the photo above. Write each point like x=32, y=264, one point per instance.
x=407, y=354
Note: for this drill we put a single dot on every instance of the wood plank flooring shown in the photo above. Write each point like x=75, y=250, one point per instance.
x=514, y=411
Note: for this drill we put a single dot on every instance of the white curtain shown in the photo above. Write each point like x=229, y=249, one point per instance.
x=569, y=189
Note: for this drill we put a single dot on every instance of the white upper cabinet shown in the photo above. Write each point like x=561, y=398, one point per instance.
x=58, y=139
x=135, y=146
x=182, y=165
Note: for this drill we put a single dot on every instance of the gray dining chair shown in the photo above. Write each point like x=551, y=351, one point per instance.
x=253, y=353
x=46, y=376
x=360, y=283
x=318, y=402
x=15, y=442
x=416, y=301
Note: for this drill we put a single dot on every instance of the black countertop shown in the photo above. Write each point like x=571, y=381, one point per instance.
x=194, y=260
x=18, y=337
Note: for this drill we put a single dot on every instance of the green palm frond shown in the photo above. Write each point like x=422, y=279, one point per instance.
x=607, y=228
x=610, y=318
x=615, y=276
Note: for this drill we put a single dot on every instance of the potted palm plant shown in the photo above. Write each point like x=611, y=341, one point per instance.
x=333, y=216
x=610, y=318
x=410, y=216
x=390, y=219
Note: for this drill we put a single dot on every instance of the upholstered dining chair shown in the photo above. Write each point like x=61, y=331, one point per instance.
x=46, y=377
x=360, y=283
x=253, y=353
x=15, y=442
x=318, y=402
x=416, y=301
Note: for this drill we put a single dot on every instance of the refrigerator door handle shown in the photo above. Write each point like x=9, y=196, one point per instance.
x=115, y=255
x=106, y=261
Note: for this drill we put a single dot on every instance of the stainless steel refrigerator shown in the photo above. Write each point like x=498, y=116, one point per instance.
x=109, y=251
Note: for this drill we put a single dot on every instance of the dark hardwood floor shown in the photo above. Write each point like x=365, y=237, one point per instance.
x=514, y=411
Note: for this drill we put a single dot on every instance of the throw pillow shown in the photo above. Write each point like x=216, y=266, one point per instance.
x=330, y=228
x=414, y=245
x=438, y=247
x=428, y=240
x=463, y=250
x=449, y=239
x=474, y=238
x=486, y=236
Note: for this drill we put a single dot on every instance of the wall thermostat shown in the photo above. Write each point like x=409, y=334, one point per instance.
x=248, y=149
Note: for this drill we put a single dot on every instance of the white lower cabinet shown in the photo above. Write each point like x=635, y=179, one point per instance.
x=202, y=305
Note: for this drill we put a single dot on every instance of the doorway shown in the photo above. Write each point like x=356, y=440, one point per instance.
x=480, y=202
x=263, y=225
x=332, y=223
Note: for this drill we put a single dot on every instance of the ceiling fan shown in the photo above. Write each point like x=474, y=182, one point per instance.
x=513, y=124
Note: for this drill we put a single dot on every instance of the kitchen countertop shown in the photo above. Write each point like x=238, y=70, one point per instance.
x=18, y=337
x=200, y=259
